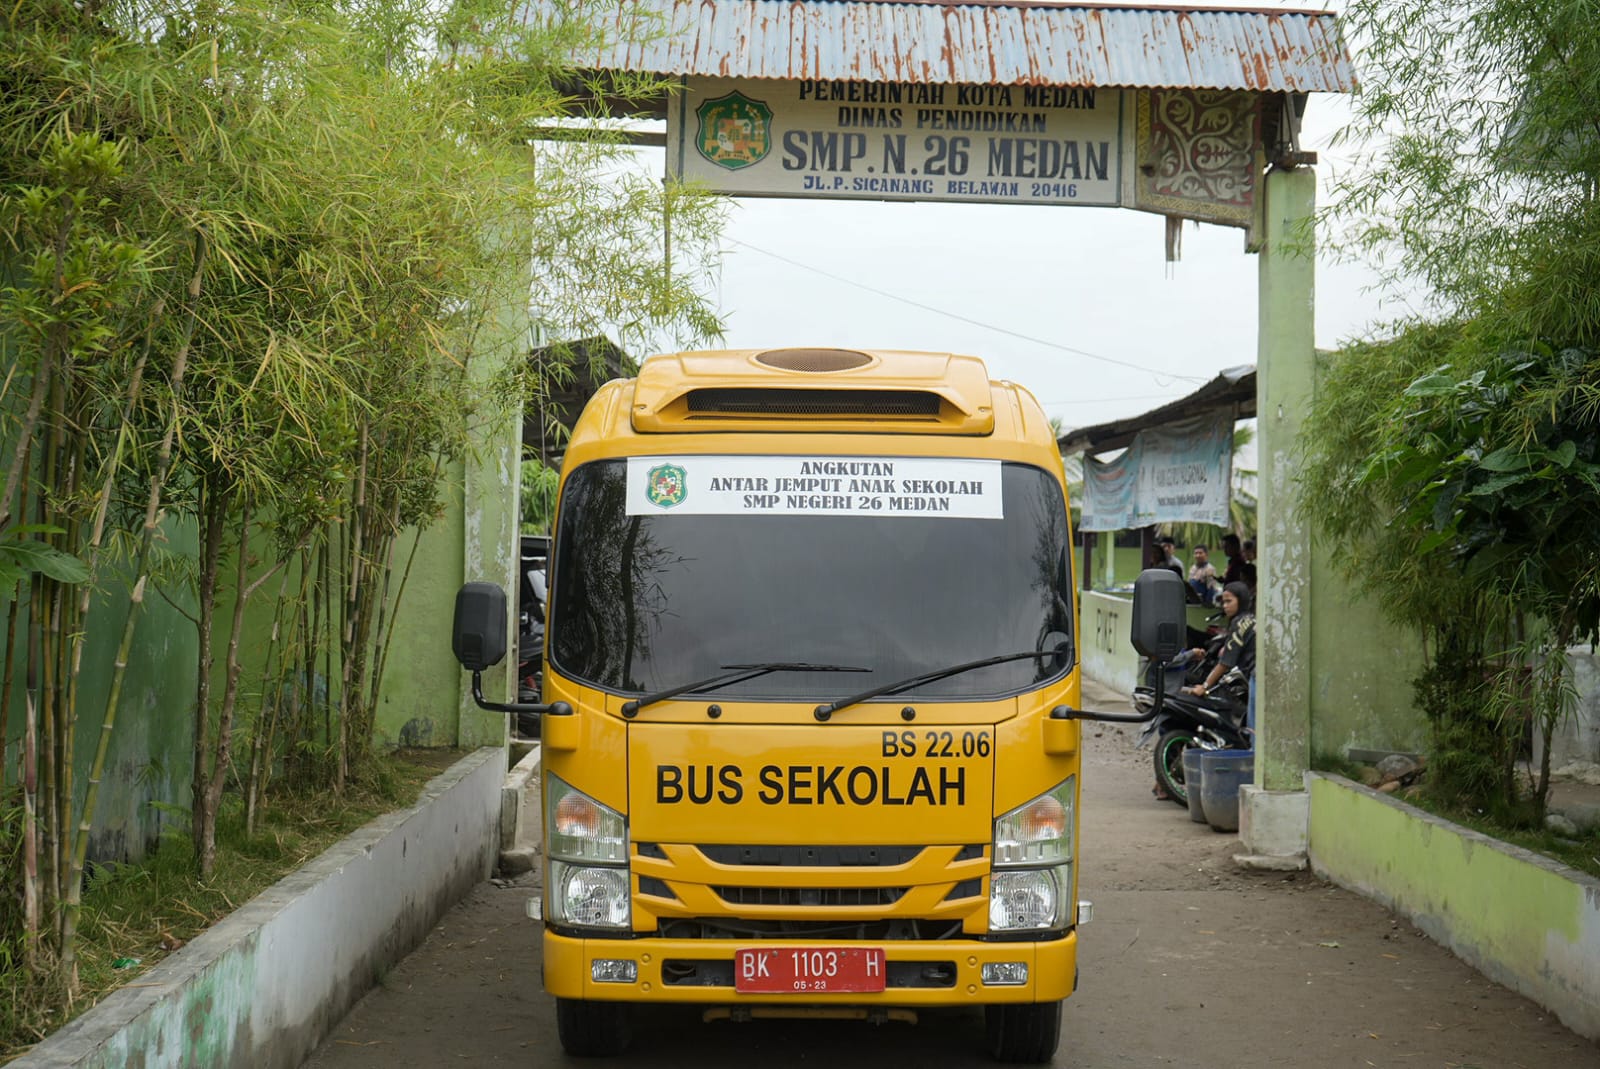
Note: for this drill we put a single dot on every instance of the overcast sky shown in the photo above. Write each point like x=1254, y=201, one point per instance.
x=1095, y=280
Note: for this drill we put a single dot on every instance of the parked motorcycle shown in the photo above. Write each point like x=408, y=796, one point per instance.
x=1211, y=721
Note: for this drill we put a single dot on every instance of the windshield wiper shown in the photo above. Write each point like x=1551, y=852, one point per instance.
x=823, y=712
x=738, y=674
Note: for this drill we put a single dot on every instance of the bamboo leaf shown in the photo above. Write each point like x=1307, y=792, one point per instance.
x=1431, y=385
x=47, y=560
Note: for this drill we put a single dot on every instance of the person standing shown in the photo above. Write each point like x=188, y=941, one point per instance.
x=1234, y=572
x=1203, y=576
x=1247, y=571
x=1168, y=558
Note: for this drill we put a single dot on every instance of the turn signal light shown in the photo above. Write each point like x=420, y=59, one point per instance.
x=1045, y=819
x=577, y=816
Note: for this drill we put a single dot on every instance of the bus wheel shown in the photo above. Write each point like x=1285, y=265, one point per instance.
x=1025, y=1033
x=1169, y=764
x=592, y=1029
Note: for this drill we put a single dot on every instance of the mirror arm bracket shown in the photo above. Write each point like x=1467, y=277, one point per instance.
x=1157, y=674
x=1067, y=712
x=553, y=709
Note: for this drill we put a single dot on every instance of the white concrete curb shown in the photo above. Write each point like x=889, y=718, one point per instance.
x=260, y=989
x=514, y=807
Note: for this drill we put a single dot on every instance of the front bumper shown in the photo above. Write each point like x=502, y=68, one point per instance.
x=1052, y=971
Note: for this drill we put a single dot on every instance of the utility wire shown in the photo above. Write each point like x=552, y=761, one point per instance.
x=962, y=318
x=1108, y=400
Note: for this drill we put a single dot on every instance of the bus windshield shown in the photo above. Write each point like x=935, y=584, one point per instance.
x=646, y=602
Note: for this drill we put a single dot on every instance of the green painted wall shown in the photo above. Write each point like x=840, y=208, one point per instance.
x=1523, y=920
x=425, y=700
x=150, y=756
x=419, y=705
x=1103, y=624
x=1361, y=671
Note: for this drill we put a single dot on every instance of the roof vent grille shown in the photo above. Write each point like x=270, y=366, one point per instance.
x=770, y=402
x=814, y=360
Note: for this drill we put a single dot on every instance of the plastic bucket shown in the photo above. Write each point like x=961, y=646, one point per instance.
x=1222, y=773
x=1193, y=773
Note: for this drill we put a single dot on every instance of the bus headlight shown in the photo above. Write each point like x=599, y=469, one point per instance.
x=588, y=896
x=587, y=844
x=1026, y=899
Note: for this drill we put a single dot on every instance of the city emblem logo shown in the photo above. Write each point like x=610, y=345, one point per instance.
x=735, y=131
x=666, y=486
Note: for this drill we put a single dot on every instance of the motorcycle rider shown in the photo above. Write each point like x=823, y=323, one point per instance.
x=1239, y=646
x=1238, y=651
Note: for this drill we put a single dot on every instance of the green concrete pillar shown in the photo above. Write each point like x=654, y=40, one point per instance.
x=1285, y=380
x=491, y=547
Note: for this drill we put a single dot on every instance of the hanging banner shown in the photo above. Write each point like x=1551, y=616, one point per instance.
x=1178, y=473
x=815, y=486
x=1108, y=491
x=1185, y=472
x=998, y=144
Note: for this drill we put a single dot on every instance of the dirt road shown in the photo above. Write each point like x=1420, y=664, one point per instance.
x=1190, y=961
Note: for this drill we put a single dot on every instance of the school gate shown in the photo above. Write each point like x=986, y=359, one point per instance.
x=1187, y=113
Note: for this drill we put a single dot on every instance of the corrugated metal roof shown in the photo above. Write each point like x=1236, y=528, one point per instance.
x=1233, y=390
x=978, y=41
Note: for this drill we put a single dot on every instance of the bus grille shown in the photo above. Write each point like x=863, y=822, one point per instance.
x=877, y=931
x=794, y=857
x=821, y=897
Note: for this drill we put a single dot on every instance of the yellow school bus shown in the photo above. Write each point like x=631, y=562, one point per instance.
x=810, y=745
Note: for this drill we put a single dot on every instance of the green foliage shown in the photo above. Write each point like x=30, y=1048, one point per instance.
x=256, y=254
x=1500, y=466
x=1474, y=743
x=1461, y=488
x=1478, y=175
x=1336, y=762
x=539, y=486
x=1455, y=468
x=12, y=950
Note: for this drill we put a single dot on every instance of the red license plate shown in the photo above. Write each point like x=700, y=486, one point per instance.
x=808, y=970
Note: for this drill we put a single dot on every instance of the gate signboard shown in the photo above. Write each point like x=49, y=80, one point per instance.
x=998, y=144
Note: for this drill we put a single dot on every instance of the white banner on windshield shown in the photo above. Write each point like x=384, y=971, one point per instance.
x=816, y=486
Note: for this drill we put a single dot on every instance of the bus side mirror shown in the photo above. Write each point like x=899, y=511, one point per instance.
x=478, y=638
x=1158, y=633
x=1158, y=614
